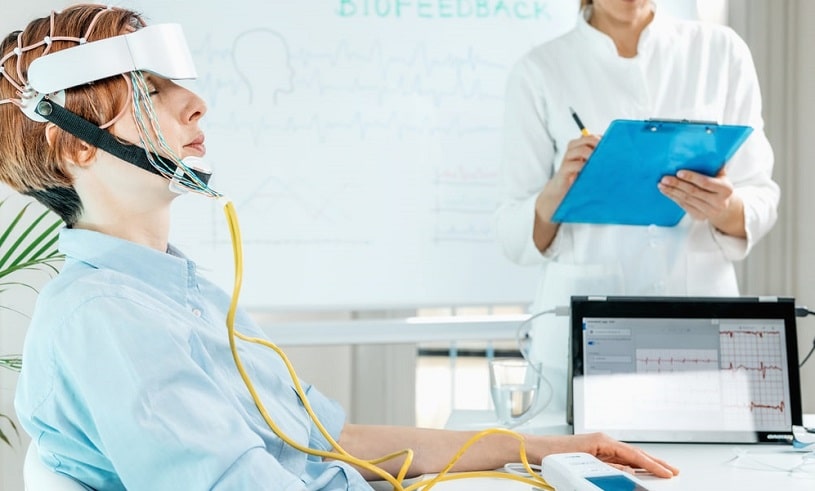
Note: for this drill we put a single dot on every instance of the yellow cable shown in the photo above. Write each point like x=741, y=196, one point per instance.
x=234, y=231
x=341, y=454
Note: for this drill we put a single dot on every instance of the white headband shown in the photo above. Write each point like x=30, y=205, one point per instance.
x=160, y=49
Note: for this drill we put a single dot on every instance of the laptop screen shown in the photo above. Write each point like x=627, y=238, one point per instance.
x=685, y=369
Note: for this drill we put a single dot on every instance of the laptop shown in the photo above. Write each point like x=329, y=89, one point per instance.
x=684, y=369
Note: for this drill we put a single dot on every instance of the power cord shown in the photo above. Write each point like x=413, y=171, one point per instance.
x=803, y=312
x=524, y=338
x=524, y=341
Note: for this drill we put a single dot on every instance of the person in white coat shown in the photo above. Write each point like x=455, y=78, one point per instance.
x=625, y=59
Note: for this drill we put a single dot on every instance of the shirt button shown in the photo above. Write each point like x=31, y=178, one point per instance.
x=196, y=312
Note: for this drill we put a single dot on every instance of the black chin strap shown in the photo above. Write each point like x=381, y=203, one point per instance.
x=96, y=136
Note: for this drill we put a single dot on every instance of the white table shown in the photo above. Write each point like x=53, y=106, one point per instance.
x=718, y=467
x=703, y=467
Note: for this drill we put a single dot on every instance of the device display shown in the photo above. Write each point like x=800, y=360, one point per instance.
x=578, y=471
x=616, y=483
x=719, y=373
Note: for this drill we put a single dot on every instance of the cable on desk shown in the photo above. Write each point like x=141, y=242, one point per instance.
x=745, y=459
x=801, y=311
x=524, y=341
x=524, y=338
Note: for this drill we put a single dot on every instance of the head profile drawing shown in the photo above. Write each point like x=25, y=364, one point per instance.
x=262, y=61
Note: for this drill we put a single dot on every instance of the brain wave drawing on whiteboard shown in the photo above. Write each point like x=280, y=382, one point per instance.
x=376, y=77
x=362, y=152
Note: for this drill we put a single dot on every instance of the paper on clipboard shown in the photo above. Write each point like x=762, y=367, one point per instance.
x=618, y=184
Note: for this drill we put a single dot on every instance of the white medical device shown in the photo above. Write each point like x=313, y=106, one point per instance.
x=803, y=438
x=160, y=49
x=580, y=471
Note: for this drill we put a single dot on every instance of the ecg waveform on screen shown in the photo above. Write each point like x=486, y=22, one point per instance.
x=676, y=360
x=745, y=377
x=748, y=332
x=677, y=378
x=777, y=407
x=761, y=368
x=755, y=353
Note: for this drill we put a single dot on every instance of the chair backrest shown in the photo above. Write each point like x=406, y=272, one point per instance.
x=38, y=477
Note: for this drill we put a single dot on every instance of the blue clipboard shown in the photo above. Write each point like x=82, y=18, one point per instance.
x=618, y=184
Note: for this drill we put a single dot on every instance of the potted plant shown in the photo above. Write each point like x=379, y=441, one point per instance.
x=25, y=244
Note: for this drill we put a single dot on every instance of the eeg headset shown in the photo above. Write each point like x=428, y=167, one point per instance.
x=159, y=49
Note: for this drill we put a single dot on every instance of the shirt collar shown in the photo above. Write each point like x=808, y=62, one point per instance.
x=169, y=271
x=603, y=42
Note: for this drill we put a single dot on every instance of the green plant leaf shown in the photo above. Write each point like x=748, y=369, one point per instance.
x=25, y=247
x=31, y=247
x=13, y=427
x=12, y=362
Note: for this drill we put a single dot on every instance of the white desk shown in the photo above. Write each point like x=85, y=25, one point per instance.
x=711, y=467
x=703, y=467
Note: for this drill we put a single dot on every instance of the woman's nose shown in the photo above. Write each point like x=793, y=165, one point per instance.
x=195, y=107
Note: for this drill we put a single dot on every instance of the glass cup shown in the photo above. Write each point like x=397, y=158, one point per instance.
x=515, y=385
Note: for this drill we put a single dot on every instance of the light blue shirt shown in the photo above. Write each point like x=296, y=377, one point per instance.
x=128, y=382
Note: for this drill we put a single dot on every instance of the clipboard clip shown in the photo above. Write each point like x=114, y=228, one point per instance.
x=654, y=124
x=687, y=121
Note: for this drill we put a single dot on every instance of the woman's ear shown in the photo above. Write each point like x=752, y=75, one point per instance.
x=50, y=133
x=81, y=158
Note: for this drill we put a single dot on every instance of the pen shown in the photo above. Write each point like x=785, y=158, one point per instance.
x=583, y=130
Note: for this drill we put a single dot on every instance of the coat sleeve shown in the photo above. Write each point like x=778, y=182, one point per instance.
x=527, y=164
x=750, y=169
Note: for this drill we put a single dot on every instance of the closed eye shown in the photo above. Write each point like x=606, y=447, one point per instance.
x=151, y=85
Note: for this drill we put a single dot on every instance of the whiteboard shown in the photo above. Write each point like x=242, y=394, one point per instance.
x=359, y=141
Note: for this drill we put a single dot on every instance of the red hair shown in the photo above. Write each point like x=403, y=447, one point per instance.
x=28, y=163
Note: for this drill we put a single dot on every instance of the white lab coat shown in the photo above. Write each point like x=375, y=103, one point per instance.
x=683, y=70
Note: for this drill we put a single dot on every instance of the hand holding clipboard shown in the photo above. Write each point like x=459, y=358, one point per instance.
x=618, y=184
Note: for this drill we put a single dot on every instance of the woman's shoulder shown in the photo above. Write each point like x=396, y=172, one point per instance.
x=81, y=297
x=77, y=283
x=696, y=31
x=561, y=44
x=551, y=53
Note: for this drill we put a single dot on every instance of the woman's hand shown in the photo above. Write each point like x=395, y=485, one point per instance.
x=707, y=198
x=618, y=454
x=577, y=153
